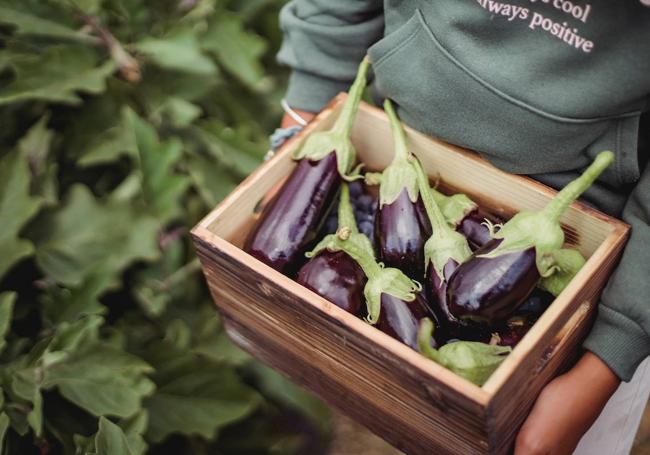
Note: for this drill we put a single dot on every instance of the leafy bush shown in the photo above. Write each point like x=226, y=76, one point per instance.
x=122, y=122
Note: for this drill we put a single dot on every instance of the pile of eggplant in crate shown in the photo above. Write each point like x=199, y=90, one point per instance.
x=432, y=271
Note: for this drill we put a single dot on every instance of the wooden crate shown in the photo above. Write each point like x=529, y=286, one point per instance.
x=413, y=403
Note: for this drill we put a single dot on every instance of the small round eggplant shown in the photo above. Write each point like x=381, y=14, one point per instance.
x=337, y=277
x=451, y=327
x=290, y=222
x=401, y=319
x=474, y=229
x=402, y=228
x=490, y=289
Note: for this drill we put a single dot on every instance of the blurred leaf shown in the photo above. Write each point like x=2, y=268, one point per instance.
x=237, y=49
x=16, y=208
x=211, y=178
x=4, y=425
x=109, y=145
x=56, y=76
x=134, y=428
x=85, y=238
x=35, y=147
x=178, y=51
x=110, y=439
x=7, y=300
x=67, y=304
x=161, y=186
x=196, y=398
x=102, y=380
x=30, y=24
x=85, y=6
x=179, y=112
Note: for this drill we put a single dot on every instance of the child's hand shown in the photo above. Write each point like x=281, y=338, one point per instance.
x=566, y=409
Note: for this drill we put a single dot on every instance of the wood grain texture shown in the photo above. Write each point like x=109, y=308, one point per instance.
x=408, y=400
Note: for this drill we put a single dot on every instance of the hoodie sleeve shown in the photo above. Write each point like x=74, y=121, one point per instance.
x=324, y=42
x=621, y=334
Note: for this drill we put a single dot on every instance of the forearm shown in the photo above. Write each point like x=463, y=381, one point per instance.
x=324, y=41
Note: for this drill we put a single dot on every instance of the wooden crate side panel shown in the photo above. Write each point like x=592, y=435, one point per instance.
x=361, y=368
x=538, y=358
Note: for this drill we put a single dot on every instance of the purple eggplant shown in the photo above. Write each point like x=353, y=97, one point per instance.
x=289, y=223
x=502, y=274
x=510, y=332
x=335, y=275
x=400, y=319
x=466, y=217
x=402, y=226
x=475, y=228
x=471, y=360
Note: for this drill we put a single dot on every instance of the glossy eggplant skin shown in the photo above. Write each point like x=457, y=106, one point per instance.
x=513, y=330
x=472, y=227
x=491, y=289
x=401, y=319
x=337, y=277
x=402, y=229
x=291, y=220
x=451, y=327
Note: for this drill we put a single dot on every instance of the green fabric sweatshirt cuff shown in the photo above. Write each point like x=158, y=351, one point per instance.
x=618, y=341
x=311, y=93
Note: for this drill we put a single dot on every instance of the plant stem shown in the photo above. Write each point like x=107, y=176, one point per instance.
x=345, y=120
x=573, y=190
x=425, y=332
x=346, y=214
x=438, y=222
x=399, y=136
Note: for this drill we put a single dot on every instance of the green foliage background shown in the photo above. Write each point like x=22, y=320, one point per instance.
x=122, y=122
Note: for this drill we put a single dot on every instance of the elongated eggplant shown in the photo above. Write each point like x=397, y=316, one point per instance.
x=444, y=251
x=466, y=217
x=402, y=226
x=334, y=275
x=401, y=319
x=290, y=222
x=471, y=360
x=500, y=275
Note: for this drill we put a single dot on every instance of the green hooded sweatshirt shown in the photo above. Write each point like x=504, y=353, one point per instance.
x=537, y=87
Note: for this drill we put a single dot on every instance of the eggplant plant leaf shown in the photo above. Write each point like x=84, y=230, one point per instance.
x=86, y=238
x=102, y=380
x=236, y=48
x=35, y=147
x=162, y=187
x=56, y=76
x=110, y=439
x=28, y=23
x=4, y=425
x=17, y=207
x=196, y=397
x=7, y=300
x=134, y=428
x=179, y=50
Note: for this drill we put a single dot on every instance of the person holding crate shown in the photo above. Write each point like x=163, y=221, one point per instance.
x=537, y=87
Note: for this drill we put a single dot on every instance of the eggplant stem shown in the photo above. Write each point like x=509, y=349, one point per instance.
x=438, y=221
x=346, y=118
x=574, y=189
x=425, y=332
x=345, y=212
x=399, y=136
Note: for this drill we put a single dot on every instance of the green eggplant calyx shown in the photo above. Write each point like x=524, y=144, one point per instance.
x=542, y=229
x=399, y=174
x=471, y=360
x=445, y=243
x=455, y=207
x=390, y=281
x=397, y=177
x=567, y=263
x=442, y=247
x=492, y=228
x=320, y=144
x=373, y=178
